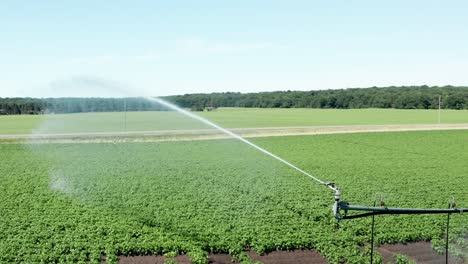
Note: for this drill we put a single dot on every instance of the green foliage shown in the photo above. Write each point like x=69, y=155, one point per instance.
x=25, y=106
x=169, y=257
x=198, y=256
x=377, y=259
x=77, y=202
x=226, y=117
x=402, y=259
x=243, y=258
x=404, y=97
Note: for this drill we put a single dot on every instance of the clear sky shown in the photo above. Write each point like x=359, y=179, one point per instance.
x=176, y=47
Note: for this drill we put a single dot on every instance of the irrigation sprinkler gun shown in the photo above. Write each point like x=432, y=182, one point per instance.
x=336, y=204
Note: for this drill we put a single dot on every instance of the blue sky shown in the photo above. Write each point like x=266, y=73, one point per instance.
x=176, y=47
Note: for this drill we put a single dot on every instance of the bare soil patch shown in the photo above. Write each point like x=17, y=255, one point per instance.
x=421, y=252
x=286, y=257
x=276, y=257
x=151, y=260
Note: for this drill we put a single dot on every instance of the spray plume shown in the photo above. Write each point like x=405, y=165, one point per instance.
x=209, y=123
x=89, y=81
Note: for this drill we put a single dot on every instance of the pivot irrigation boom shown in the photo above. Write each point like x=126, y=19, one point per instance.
x=343, y=206
x=341, y=209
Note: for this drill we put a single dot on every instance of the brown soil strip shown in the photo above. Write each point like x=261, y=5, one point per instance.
x=221, y=259
x=267, y=131
x=276, y=257
x=421, y=252
x=151, y=260
x=208, y=134
x=286, y=257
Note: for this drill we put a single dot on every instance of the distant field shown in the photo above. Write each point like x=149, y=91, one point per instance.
x=227, y=117
x=258, y=117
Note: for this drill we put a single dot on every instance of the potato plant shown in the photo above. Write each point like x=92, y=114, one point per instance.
x=78, y=203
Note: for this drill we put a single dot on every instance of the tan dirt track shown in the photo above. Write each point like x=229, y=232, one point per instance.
x=421, y=252
x=275, y=257
x=207, y=134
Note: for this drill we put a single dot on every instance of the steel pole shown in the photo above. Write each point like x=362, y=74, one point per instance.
x=439, y=108
x=372, y=239
x=447, y=238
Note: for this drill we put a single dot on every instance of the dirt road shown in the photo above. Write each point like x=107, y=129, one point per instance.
x=206, y=134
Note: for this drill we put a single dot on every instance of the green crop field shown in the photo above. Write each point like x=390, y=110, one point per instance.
x=78, y=202
x=227, y=117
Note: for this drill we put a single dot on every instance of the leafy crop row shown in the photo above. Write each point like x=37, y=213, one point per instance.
x=81, y=202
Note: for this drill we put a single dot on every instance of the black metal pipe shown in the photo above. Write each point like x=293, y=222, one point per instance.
x=371, y=211
x=447, y=239
x=358, y=216
x=386, y=210
x=372, y=239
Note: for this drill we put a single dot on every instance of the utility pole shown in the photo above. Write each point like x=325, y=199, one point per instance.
x=125, y=114
x=439, y=107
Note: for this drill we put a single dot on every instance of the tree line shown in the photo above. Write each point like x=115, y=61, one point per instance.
x=21, y=106
x=403, y=97
x=406, y=97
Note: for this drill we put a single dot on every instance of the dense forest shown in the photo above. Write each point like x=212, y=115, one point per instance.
x=405, y=97
x=15, y=106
